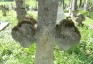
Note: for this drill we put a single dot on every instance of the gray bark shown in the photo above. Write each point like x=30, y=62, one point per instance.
x=80, y=4
x=74, y=5
x=63, y=4
x=70, y=5
x=24, y=32
x=47, y=13
x=67, y=34
x=20, y=9
x=86, y=4
x=79, y=19
x=3, y=10
x=74, y=8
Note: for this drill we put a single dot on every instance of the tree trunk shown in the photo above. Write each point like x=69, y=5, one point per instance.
x=47, y=13
x=86, y=4
x=70, y=5
x=74, y=5
x=3, y=10
x=63, y=4
x=74, y=8
x=80, y=4
x=20, y=9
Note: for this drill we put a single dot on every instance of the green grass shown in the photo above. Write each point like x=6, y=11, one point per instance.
x=88, y=21
x=32, y=3
x=1, y=3
x=11, y=17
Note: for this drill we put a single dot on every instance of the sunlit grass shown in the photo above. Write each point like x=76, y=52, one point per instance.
x=88, y=21
x=1, y=3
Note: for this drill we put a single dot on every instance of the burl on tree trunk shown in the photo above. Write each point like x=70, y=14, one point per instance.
x=24, y=32
x=65, y=34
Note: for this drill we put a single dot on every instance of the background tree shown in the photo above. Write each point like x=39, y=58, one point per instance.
x=20, y=9
x=73, y=7
x=62, y=2
x=47, y=14
x=86, y=4
x=3, y=10
x=80, y=4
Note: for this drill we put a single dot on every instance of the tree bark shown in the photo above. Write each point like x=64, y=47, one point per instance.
x=80, y=4
x=74, y=5
x=63, y=4
x=20, y=10
x=3, y=10
x=73, y=8
x=86, y=4
x=47, y=14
